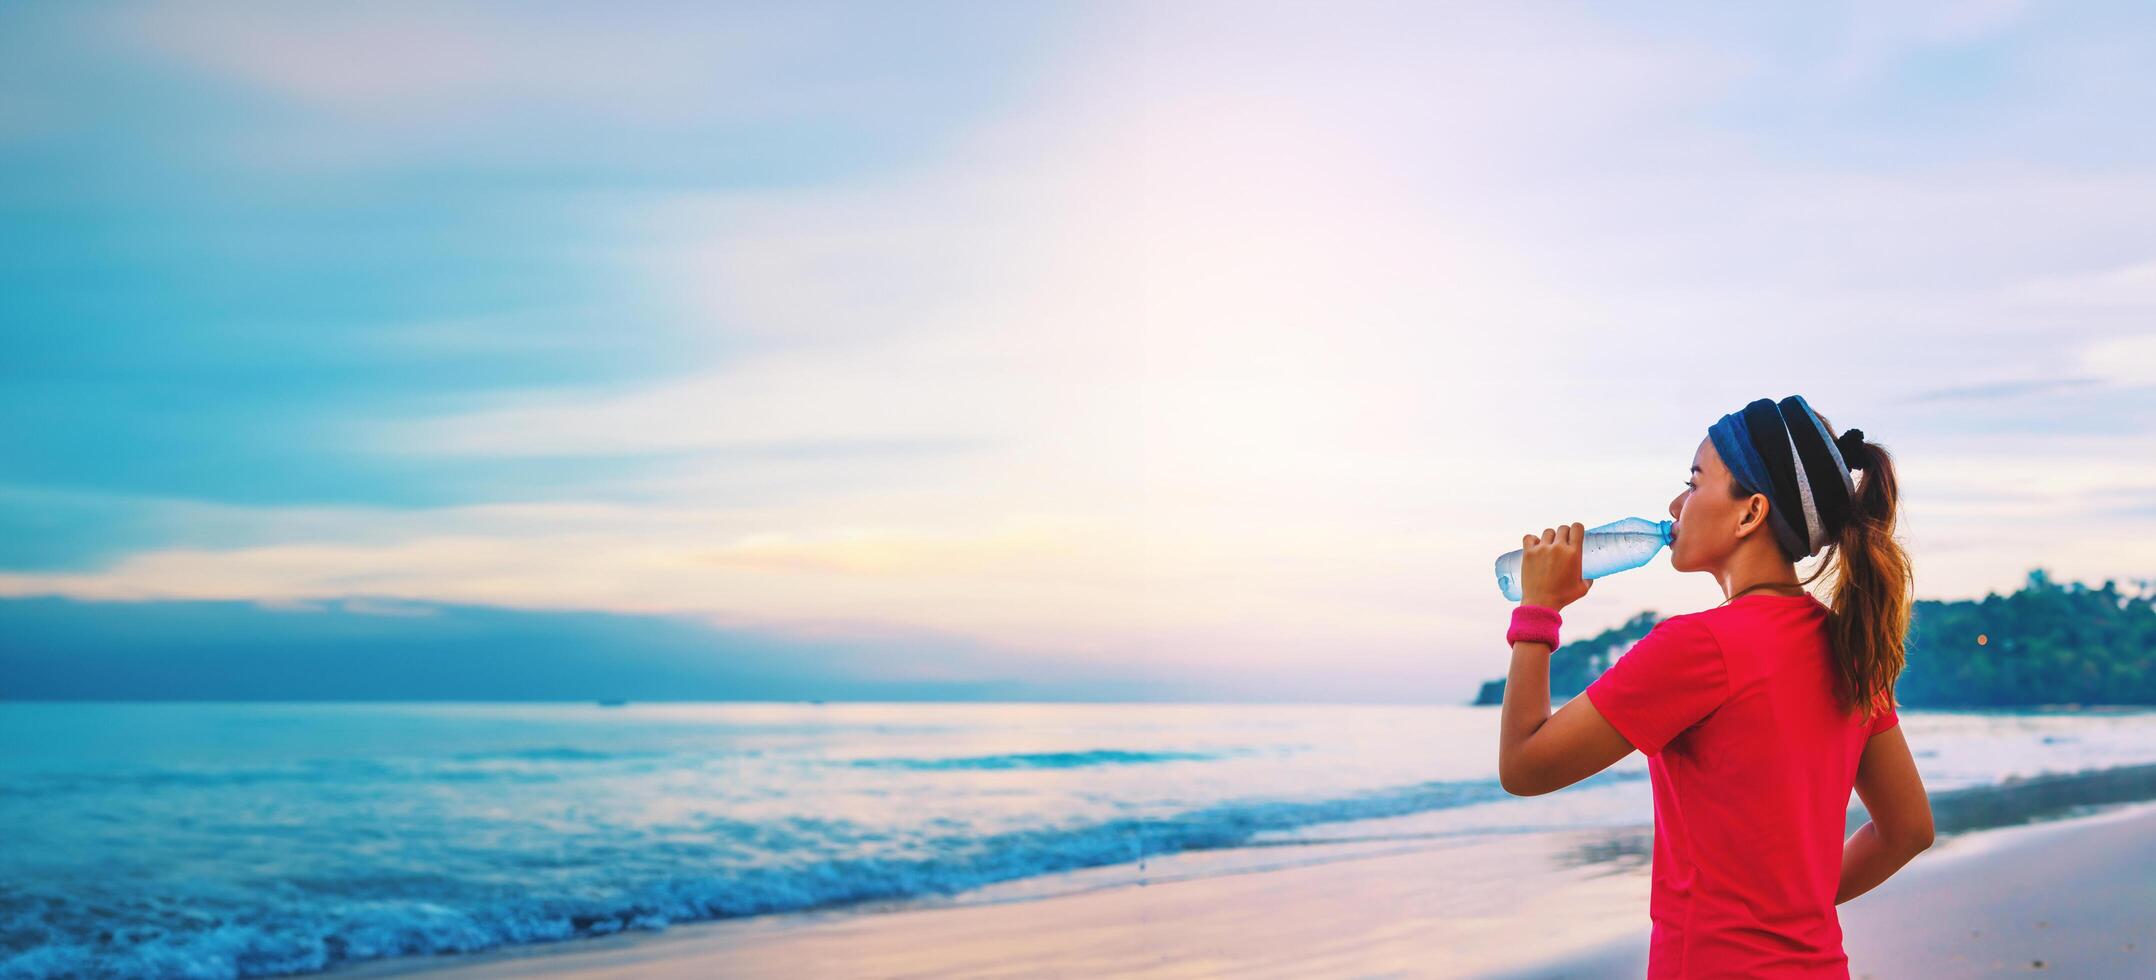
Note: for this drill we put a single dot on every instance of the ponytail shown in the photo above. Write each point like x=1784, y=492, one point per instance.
x=1871, y=584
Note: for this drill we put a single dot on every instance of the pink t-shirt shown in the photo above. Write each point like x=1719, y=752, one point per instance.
x=1752, y=764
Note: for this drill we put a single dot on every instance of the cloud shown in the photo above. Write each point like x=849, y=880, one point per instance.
x=623, y=90
x=1999, y=389
x=1877, y=37
x=2130, y=288
x=1240, y=342
x=63, y=649
x=2129, y=360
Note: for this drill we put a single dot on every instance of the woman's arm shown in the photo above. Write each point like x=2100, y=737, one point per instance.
x=1900, y=826
x=1538, y=752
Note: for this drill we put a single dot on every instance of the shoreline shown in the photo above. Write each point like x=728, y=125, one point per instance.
x=1544, y=904
x=1308, y=912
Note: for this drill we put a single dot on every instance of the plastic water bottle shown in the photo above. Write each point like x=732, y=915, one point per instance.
x=1613, y=547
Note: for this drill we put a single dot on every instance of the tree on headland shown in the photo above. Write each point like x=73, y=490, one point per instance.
x=2049, y=643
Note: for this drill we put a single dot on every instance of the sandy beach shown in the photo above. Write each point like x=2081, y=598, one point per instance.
x=2071, y=897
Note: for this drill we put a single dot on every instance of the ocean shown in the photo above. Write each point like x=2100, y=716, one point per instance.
x=240, y=839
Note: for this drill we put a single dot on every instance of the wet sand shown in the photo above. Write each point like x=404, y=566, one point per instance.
x=2071, y=896
x=2067, y=898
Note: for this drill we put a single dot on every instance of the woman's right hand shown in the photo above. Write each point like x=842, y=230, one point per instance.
x=1550, y=567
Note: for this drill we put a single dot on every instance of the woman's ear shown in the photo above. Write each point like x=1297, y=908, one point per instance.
x=1755, y=513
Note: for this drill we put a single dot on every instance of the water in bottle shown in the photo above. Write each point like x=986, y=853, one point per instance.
x=1613, y=547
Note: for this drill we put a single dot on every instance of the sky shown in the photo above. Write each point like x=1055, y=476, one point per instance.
x=1221, y=347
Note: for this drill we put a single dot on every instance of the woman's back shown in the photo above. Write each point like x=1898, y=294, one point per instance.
x=1752, y=761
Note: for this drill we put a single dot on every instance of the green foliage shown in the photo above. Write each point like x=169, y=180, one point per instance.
x=2047, y=644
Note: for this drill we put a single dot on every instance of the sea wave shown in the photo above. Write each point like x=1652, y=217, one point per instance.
x=556, y=753
x=289, y=938
x=327, y=773
x=1039, y=760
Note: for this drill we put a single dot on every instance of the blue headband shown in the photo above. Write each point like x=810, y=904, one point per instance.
x=1782, y=450
x=1734, y=442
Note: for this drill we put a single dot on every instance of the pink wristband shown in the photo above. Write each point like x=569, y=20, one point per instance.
x=1535, y=624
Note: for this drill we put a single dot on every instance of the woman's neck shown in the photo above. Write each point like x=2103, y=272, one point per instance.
x=1768, y=588
x=1751, y=572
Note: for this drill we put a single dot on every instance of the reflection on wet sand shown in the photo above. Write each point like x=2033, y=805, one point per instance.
x=2019, y=800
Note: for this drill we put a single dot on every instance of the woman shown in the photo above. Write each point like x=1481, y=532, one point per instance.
x=1758, y=716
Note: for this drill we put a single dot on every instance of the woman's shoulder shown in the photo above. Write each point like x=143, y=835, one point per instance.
x=1746, y=616
x=1696, y=629
x=1759, y=608
x=1749, y=630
